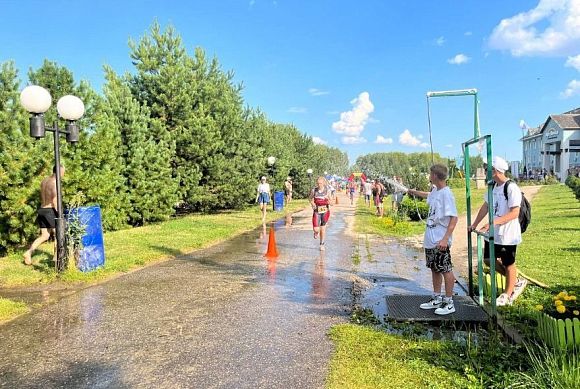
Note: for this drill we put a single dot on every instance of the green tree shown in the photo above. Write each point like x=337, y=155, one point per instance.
x=21, y=166
x=147, y=162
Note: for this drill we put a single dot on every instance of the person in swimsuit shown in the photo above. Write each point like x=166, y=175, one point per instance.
x=320, y=201
x=47, y=213
x=263, y=197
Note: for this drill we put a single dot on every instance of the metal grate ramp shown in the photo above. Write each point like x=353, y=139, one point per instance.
x=406, y=308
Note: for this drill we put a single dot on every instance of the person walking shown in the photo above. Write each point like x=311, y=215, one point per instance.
x=46, y=214
x=288, y=190
x=320, y=202
x=263, y=196
x=379, y=195
x=368, y=191
x=507, y=231
x=441, y=222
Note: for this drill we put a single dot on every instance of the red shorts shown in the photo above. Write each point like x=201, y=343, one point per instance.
x=320, y=219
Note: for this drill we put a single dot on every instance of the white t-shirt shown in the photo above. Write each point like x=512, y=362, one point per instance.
x=441, y=209
x=368, y=188
x=511, y=232
x=264, y=188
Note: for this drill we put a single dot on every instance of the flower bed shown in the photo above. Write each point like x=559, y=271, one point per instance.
x=559, y=322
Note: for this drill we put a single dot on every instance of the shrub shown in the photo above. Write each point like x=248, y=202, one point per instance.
x=574, y=184
x=415, y=209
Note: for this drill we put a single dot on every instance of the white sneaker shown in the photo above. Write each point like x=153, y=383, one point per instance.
x=446, y=308
x=434, y=303
x=322, y=248
x=503, y=300
x=519, y=288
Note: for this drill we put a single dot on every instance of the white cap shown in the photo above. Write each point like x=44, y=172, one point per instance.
x=263, y=178
x=499, y=164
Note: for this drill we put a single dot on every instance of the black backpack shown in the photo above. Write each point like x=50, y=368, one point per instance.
x=525, y=208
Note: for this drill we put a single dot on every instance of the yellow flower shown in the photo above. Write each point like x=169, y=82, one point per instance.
x=561, y=309
x=539, y=307
x=567, y=298
x=562, y=294
x=572, y=297
x=576, y=312
x=558, y=303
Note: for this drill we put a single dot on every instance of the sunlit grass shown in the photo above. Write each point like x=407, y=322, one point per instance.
x=10, y=309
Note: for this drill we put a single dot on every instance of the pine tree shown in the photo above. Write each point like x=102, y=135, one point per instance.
x=21, y=167
x=152, y=191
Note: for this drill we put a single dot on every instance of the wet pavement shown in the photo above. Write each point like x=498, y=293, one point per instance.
x=223, y=317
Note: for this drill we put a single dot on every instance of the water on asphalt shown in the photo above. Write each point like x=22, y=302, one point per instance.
x=223, y=317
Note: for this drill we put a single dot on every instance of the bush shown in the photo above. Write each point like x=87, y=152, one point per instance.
x=415, y=209
x=574, y=184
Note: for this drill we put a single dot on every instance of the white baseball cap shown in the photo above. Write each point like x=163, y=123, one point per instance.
x=499, y=164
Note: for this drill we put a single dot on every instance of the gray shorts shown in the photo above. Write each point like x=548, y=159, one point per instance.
x=439, y=260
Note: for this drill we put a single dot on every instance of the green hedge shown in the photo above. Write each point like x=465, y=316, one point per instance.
x=415, y=208
x=574, y=183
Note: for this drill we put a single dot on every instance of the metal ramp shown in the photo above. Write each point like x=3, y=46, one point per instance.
x=405, y=308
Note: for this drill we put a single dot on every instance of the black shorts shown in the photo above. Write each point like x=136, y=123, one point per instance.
x=45, y=218
x=507, y=254
x=438, y=260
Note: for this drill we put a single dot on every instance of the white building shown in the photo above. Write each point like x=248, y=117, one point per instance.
x=554, y=147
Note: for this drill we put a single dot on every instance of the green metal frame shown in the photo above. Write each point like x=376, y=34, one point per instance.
x=480, y=235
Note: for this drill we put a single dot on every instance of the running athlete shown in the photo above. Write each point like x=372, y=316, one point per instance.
x=320, y=201
x=351, y=190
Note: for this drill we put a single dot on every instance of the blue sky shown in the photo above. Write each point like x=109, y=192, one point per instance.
x=348, y=73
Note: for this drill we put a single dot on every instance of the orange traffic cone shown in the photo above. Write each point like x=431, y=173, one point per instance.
x=272, y=250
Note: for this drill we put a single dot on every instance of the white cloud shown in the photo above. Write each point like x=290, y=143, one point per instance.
x=297, y=110
x=352, y=123
x=450, y=146
x=318, y=141
x=381, y=140
x=373, y=120
x=424, y=145
x=574, y=62
x=440, y=41
x=353, y=140
x=468, y=33
x=317, y=92
x=408, y=139
x=525, y=35
x=573, y=89
x=459, y=59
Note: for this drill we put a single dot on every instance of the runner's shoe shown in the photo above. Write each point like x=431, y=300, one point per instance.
x=519, y=288
x=322, y=246
x=434, y=303
x=315, y=235
x=446, y=308
x=503, y=300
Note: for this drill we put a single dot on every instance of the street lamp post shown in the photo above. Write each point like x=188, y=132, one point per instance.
x=37, y=100
x=309, y=172
x=524, y=127
x=272, y=173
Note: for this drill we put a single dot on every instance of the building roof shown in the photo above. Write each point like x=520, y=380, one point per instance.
x=567, y=121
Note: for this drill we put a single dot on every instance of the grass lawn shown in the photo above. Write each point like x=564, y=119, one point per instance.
x=368, y=358
x=129, y=249
x=550, y=253
x=10, y=309
x=366, y=222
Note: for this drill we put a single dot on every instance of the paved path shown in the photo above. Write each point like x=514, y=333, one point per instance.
x=224, y=317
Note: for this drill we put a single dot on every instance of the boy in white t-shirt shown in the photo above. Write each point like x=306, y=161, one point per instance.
x=507, y=231
x=441, y=222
